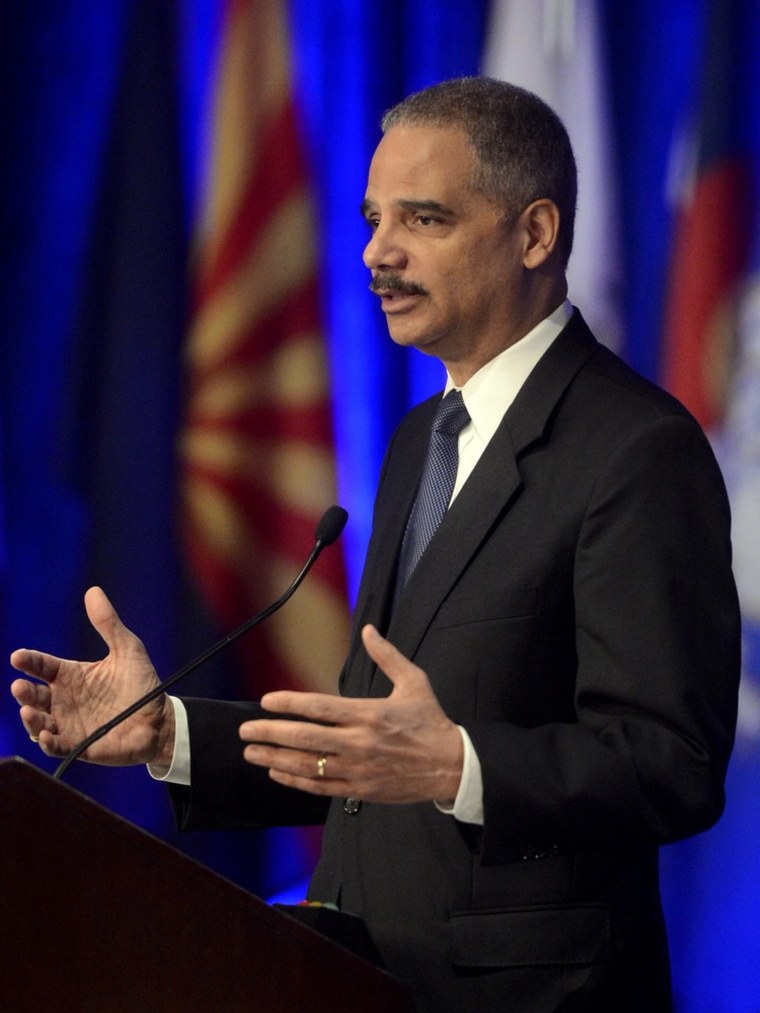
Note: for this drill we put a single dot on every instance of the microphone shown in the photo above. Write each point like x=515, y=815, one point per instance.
x=328, y=531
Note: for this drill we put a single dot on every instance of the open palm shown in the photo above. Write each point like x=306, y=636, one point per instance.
x=73, y=698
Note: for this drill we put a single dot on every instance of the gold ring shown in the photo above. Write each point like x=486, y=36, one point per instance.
x=321, y=764
x=34, y=738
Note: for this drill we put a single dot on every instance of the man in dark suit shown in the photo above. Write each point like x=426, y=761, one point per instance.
x=554, y=692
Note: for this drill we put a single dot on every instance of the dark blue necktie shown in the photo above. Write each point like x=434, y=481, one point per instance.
x=436, y=484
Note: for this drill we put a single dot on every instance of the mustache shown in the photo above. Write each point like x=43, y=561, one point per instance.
x=392, y=283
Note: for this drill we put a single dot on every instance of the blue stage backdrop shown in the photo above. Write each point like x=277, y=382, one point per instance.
x=105, y=168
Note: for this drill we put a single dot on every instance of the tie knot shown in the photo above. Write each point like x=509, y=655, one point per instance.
x=451, y=416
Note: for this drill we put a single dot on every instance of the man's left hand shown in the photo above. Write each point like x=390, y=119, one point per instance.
x=400, y=748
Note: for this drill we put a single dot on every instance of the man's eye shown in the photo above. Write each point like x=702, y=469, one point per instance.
x=373, y=223
x=427, y=220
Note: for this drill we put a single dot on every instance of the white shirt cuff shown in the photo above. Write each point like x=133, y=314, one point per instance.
x=468, y=805
x=179, y=771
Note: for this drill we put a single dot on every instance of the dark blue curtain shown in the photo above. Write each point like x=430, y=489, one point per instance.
x=103, y=139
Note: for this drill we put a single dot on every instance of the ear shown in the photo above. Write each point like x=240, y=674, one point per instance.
x=541, y=224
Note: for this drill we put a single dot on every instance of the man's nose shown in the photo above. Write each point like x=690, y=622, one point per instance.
x=384, y=250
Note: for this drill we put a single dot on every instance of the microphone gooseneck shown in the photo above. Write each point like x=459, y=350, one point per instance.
x=328, y=531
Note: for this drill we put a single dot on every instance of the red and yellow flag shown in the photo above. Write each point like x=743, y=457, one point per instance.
x=257, y=448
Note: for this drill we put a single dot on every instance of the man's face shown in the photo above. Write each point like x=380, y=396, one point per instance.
x=445, y=263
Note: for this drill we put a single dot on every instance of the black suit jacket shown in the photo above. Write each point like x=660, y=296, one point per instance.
x=576, y=613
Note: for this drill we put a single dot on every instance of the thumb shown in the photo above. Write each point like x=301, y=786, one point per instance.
x=106, y=621
x=403, y=673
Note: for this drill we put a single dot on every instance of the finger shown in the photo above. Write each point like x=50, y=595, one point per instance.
x=298, y=770
x=36, y=664
x=32, y=694
x=37, y=722
x=107, y=622
x=290, y=734
x=314, y=786
x=34, y=701
x=292, y=761
x=402, y=672
x=323, y=707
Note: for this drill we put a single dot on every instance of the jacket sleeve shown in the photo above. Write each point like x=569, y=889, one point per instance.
x=226, y=792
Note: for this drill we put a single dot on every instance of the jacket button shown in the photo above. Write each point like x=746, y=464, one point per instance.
x=351, y=806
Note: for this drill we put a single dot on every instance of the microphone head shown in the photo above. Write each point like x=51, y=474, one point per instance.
x=331, y=525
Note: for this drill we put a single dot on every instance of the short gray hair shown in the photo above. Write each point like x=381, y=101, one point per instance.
x=523, y=152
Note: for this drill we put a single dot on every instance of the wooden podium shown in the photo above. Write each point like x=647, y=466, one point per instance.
x=98, y=916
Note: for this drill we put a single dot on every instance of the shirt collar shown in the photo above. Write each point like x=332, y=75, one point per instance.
x=490, y=391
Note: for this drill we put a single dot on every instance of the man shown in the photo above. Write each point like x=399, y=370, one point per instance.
x=554, y=694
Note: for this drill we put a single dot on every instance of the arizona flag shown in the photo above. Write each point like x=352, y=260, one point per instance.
x=553, y=48
x=257, y=446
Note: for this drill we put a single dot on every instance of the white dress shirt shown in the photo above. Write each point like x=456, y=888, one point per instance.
x=487, y=396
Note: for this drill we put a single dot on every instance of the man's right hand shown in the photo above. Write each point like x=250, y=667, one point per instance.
x=73, y=698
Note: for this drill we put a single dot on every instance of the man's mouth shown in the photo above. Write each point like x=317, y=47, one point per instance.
x=392, y=289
